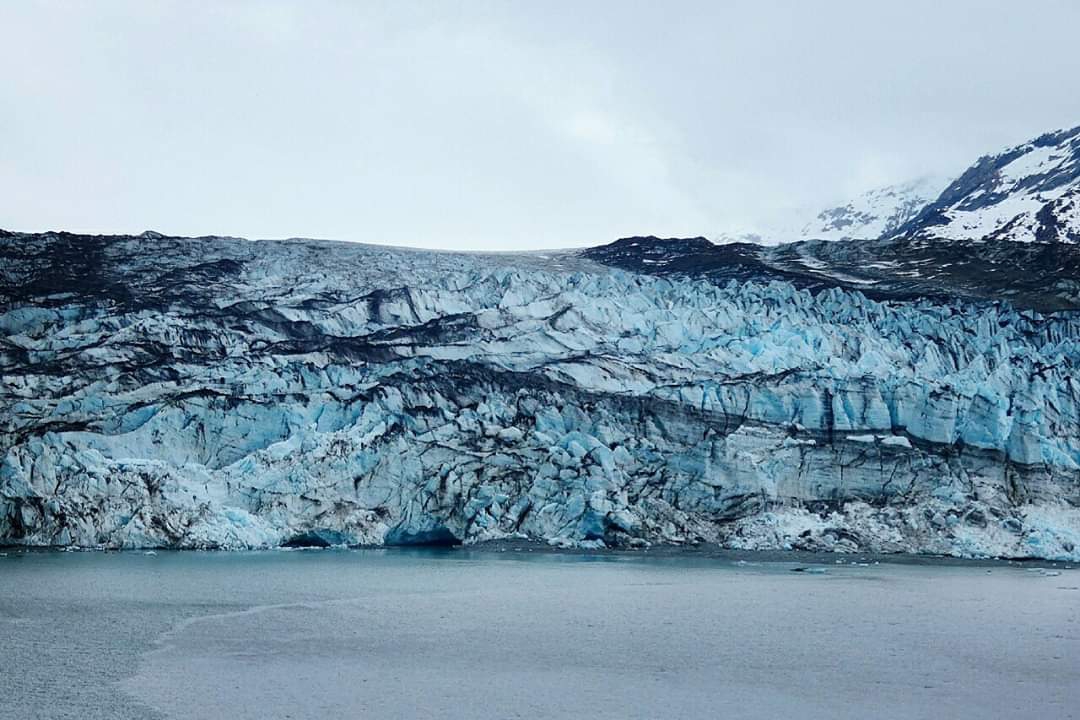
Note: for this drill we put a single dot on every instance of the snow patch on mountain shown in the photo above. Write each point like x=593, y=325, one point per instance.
x=876, y=213
x=1028, y=193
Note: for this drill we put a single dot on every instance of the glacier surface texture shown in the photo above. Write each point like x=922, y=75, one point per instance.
x=222, y=393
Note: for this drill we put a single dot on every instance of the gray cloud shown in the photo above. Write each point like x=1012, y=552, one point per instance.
x=505, y=125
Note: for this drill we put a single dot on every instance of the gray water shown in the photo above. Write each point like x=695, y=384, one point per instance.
x=516, y=634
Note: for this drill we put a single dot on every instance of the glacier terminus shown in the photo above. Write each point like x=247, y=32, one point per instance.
x=225, y=393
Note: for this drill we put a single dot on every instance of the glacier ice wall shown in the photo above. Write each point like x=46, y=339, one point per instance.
x=224, y=393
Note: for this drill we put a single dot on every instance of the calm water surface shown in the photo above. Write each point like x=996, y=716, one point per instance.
x=477, y=634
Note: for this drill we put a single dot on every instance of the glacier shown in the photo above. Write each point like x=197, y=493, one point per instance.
x=225, y=393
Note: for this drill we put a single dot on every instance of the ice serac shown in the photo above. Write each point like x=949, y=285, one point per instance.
x=215, y=392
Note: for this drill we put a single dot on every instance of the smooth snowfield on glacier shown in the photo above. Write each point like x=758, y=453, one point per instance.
x=466, y=634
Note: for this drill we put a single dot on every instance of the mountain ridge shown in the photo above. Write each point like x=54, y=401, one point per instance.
x=1029, y=192
x=1026, y=193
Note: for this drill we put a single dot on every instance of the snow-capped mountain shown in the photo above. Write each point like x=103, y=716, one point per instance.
x=1029, y=193
x=877, y=213
x=873, y=214
x=217, y=392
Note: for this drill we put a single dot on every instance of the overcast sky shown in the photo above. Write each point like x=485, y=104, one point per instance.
x=509, y=125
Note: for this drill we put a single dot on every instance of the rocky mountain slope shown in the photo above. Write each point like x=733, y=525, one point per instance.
x=1029, y=193
x=1038, y=276
x=216, y=392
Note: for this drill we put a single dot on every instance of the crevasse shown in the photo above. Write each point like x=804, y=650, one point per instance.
x=226, y=393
